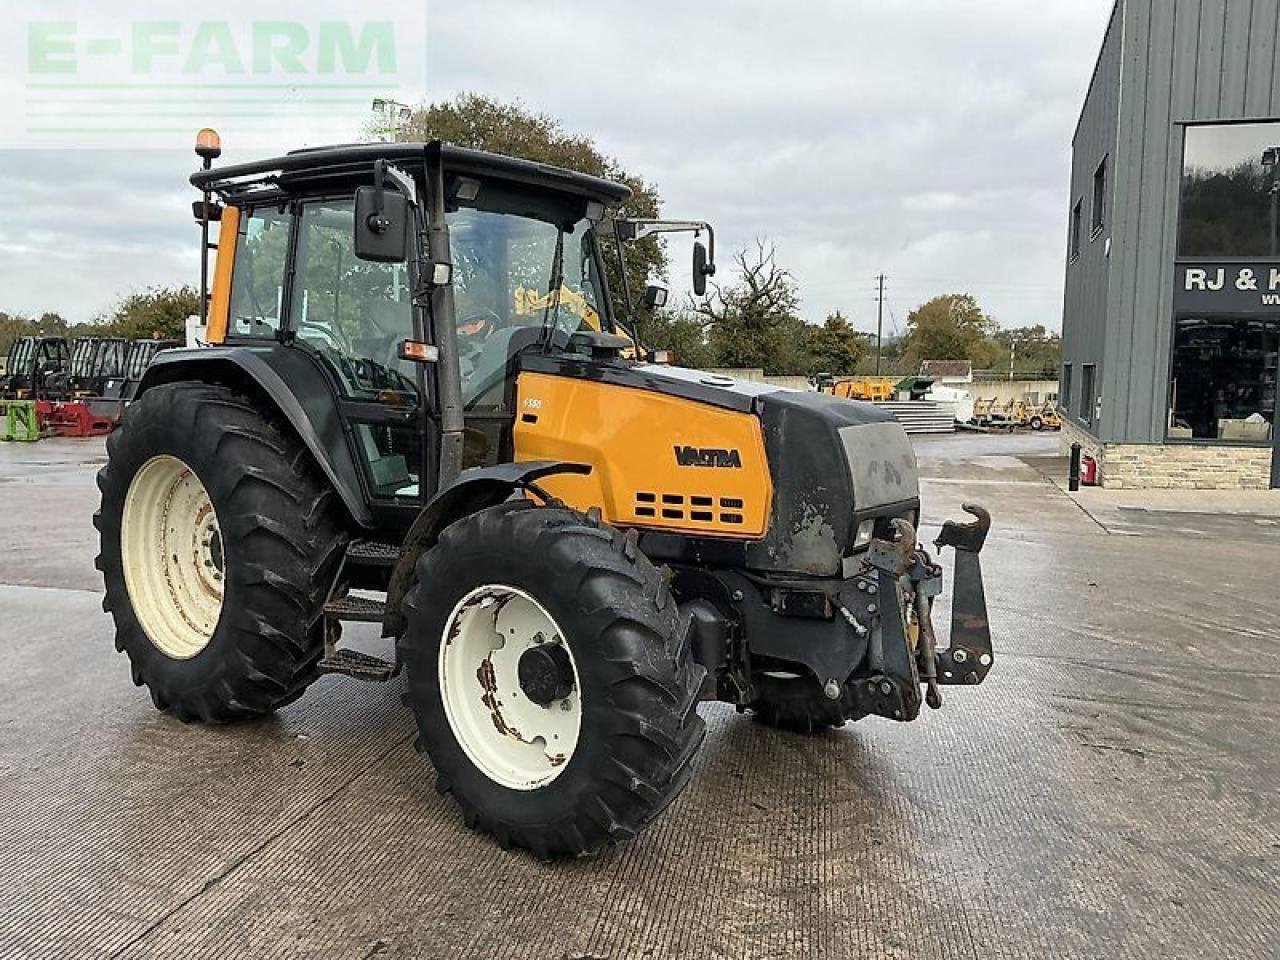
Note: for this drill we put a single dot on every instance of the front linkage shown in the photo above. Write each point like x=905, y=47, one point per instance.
x=899, y=583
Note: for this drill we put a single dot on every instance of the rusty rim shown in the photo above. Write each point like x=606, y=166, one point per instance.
x=172, y=554
x=513, y=740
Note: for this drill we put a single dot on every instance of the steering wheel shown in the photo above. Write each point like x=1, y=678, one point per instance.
x=478, y=325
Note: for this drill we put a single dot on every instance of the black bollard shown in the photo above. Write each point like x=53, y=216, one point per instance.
x=1073, y=477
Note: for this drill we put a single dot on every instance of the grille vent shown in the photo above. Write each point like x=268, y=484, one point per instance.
x=693, y=508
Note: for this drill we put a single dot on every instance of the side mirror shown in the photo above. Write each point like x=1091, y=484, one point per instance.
x=655, y=296
x=381, y=225
x=701, y=268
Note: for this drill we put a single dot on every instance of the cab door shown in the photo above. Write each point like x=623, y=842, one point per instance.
x=353, y=314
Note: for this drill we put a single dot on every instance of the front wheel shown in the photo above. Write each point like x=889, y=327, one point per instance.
x=1037, y=423
x=550, y=678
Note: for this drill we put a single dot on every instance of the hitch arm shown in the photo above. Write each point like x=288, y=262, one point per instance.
x=969, y=657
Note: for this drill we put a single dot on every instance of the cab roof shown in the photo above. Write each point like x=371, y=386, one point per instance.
x=312, y=168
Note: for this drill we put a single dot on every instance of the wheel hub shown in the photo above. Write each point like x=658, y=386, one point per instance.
x=172, y=554
x=509, y=686
x=545, y=673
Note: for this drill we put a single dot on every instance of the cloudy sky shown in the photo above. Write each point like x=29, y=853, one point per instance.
x=928, y=139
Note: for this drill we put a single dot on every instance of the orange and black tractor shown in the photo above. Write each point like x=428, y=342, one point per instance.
x=422, y=405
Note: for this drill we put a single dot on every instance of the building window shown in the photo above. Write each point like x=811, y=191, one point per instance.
x=1087, y=395
x=1223, y=384
x=1064, y=393
x=1099, y=197
x=1077, y=219
x=1230, y=191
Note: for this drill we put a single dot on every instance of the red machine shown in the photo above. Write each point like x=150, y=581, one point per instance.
x=77, y=418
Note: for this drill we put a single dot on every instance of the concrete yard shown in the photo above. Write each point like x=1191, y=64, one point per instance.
x=1112, y=791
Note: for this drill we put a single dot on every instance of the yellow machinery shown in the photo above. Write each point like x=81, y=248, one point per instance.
x=875, y=389
x=420, y=407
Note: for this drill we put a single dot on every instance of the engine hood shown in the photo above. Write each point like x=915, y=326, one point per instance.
x=833, y=463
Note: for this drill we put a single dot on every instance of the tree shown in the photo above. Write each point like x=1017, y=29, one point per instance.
x=156, y=311
x=950, y=327
x=483, y=123
x=754, y=322
x=1035, y=350
x=834, y=347
x=682, y=333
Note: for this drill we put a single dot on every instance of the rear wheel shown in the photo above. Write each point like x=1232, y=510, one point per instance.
x=550, y=678
x=1037, y=423
x=218, y=545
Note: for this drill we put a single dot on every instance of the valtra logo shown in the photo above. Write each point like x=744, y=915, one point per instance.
x=707, y=457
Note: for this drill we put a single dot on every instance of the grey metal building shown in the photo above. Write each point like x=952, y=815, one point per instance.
x=1171, y=326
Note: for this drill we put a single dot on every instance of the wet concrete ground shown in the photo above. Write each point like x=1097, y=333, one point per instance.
x=1113, y=790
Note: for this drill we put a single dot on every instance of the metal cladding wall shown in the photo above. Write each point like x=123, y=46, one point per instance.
x=1181, y=61
x=1085, y=310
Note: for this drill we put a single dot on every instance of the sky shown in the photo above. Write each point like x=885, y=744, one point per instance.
x=928, y=140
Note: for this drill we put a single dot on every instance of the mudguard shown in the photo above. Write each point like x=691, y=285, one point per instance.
x=472, y=490
x=298, y=388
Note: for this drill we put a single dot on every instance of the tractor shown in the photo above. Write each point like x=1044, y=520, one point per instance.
x=94, y=361
x=34, y=362
x=423, y=405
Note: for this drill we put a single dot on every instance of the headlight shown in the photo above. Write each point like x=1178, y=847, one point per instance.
x=866, y=530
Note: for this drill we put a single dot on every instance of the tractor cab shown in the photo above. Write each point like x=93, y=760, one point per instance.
x=138, y=356
x=93, y=362
x=341, y=264
x=33, y=363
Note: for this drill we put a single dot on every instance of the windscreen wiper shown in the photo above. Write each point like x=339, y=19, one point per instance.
x=547, y=338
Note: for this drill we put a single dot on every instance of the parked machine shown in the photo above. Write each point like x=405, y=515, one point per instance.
x=863, y=388
x=138, y=357
x=33, y=362
x=986, y=413
x=1046, y=417
x=94, y=361
x=570, y=548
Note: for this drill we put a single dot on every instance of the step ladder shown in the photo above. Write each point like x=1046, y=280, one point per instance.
x=343, y=607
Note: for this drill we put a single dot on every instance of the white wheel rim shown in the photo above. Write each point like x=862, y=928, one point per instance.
x=171, y=551
x=511, y=739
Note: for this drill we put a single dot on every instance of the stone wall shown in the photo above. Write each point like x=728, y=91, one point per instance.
x=1151, y=466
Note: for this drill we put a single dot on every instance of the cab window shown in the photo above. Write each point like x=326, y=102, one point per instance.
x=257, y=281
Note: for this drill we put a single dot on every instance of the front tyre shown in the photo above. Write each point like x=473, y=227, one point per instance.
x=550, y=678
x=218, y=544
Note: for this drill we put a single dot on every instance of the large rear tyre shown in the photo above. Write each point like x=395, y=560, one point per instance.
x=798, y=704
x=550, y=676
x=219, y=541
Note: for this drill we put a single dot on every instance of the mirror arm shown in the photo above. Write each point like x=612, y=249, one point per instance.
x=376, y=221
x=626, y=287
x=640, y=229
